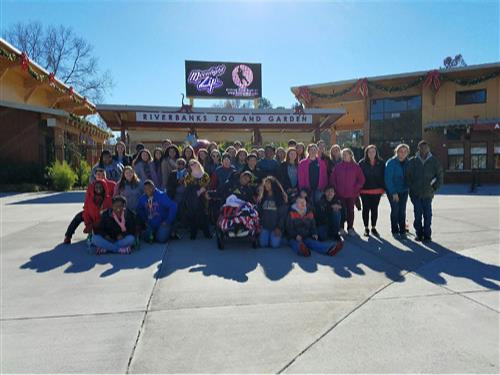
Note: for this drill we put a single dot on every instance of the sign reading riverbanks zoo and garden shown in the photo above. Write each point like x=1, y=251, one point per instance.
x=223, y=118
x=223, y=80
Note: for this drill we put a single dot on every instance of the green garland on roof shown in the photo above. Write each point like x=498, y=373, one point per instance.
x=398, y=88
x=37, y=76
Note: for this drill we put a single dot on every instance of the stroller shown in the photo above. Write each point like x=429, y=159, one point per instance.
x=237, y=219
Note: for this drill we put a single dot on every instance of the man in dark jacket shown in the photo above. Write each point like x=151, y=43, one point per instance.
x=424, y=176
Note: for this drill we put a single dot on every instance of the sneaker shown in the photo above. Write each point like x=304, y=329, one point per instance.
x=367, y=232
x=403, y=236
x=342, y=232
x=124, y=250
x=207, y=235
x=352, y=232
x=231, y=234
x=175, y=236
x=419, y=238
x=395, y=234
x=375, y=232
x=100, y=251
x=338, y=238
x=334, y=250
x=427, y=238
x=303, y=250
x=67, y=240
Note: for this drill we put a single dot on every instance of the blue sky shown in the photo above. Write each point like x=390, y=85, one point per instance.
x=145, y=44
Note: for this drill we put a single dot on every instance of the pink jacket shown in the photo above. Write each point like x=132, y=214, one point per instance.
x=347, y=179
x=303, y=174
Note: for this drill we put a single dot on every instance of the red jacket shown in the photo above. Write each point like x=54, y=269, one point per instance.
x=347, y=179
x=91, y=211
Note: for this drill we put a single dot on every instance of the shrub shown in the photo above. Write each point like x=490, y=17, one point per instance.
x=83, y=173
x=61, y=176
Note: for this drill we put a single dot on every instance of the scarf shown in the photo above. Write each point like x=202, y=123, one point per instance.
x=120, y=221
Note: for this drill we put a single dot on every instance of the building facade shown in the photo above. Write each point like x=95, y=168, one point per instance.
x=42, y=119
x=456, y=110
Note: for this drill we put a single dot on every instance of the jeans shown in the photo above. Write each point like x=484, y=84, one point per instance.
x=348, y=205
x=326, y=231
x=370, y=205
x=161, y=234
x=398, y=213
x=77, y=220
x=100, y=241
x=422, y=209
x=319, y=247
x=268, y=238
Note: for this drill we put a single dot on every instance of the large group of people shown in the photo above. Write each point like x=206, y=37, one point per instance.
x=305, y=196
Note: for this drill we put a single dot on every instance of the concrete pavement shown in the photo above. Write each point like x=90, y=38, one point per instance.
x=381, y=305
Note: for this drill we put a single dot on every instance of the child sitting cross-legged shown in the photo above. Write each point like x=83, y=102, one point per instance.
x=328, y=214
x=117, y=229
x=302, y=232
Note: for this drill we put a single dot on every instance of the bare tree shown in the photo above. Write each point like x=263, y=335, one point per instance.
x=237, y=103
x=454, y=62
x=60, y=51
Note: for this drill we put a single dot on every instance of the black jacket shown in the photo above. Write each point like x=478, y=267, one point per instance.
x=283, y=176
x=233, y=186
x=109, y=227
x=324, y=210
x=272, y=216
x=374, y=174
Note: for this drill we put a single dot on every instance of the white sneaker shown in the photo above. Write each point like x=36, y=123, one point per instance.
x=342, y=232
x=352, y=232
x=243, y=233
x=231, y=234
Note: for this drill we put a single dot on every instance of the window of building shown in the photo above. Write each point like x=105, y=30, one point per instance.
x=395, y=120
x=350, y=138
x=478, y=155
x=496, y=155
x=470, y=97
x=456, y=156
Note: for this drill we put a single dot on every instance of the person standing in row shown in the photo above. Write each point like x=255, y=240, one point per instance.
x=348, y=179
x=144, y=167
x=111, y=167
x=373, y=168
x=288, y=174
x=424, y=177
x=312, y=174
x=121, y=156
x=168, y=164
x=269, y=165
x=397, y=189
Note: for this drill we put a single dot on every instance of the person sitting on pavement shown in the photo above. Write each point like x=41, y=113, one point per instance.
x=100, y=175
x=99, y=198
x=303, y=234
x=328, y=215
x=272, y=208
x=157, y=211
x=116, y=230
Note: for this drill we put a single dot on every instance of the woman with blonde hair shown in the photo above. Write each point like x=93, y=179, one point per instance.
x=197, y=182
x=397, y=189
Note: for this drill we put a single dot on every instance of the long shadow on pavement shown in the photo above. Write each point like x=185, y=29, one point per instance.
x=78, y=259
x=60, y=198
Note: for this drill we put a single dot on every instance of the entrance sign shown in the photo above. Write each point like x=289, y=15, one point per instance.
x=206, y=79
x=223, y=118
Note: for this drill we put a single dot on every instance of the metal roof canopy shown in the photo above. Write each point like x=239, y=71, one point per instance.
x=119, y=116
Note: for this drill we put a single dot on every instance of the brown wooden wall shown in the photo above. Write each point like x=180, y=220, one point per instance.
x=19, y=135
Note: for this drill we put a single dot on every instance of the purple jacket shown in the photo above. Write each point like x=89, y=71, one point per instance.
x=303, y=174
x=347, y=179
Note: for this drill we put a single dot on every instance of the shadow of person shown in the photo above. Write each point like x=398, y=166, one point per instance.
x=78, y=259
x=58, y=198
x=432, y=260
x=234, y=263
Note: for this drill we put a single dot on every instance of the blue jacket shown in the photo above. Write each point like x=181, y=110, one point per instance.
x=163, y=209
x=394, y=176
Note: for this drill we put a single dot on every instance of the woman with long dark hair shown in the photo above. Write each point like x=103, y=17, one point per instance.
x=121, y=155
x=273, y=208
x=157, y=159
x=373, y=168
x=188, y=153
x=241, y=160
x=288, y=174
x=301, y=151
x=168, y=164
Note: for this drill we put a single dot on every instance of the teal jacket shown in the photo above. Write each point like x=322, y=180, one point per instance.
x=424, y=177
x=394, y=176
